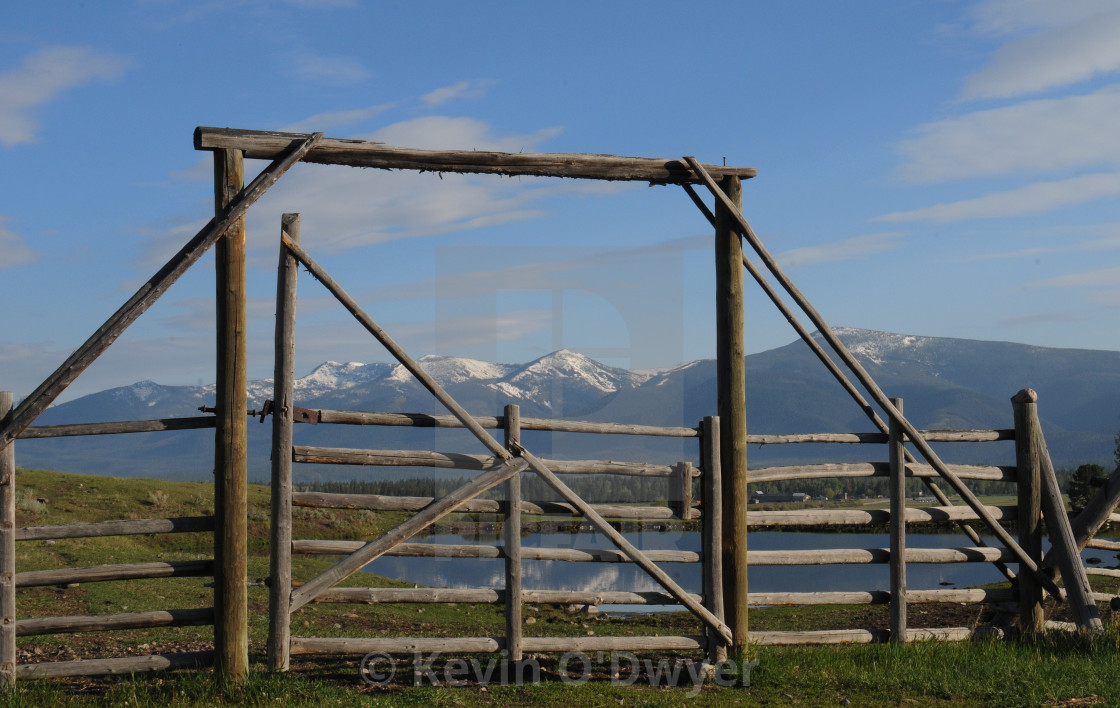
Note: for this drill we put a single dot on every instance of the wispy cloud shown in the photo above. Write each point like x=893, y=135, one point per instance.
x=1055, y=57
x=1006, y=256
x=1006, y=17
x=42, y=78
x=1103, y=278
x=1033, y=137
x=1037, y=198
x=462, y=89
x=335, y=119
x=839, y=250
x=336, y=71
x=452, y=133
x=14, y=251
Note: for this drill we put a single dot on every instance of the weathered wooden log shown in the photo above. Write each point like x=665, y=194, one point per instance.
x=511, y=531
x=425, y=420
x=123, y=527
x=485, y=645
x=874, y=469
x=882, y=597
x=1032, y=617
x=45, y=394
x=122, y=666
x=116, y=571
x=898, y=550
x=259, y=144
x=848, y=517
x=119, y=620
x=1097, y=511
x=409, y=528
x=280, y=500
x=7, y=554
x=117, y=428
x=864, y=636
x=449, y=550
x=1103, y=544
x=711, y=532
x=375, y=502
x=454, y=460
x=680, y=491
x=732, y=408
x=1110, y=572
x=492, y=596
x=1062, y=544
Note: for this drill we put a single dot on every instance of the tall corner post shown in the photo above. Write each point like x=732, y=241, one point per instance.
x=711, y=529
x=731, y=376
x=7, y=553
x=283, y=397
x=1028, y=475
x=231, y=632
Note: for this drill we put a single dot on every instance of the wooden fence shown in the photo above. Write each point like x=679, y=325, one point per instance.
x=11, y=580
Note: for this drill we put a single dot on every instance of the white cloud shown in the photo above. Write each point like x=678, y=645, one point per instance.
x=1053, y=58
x=839, y=250
x=462, y=89
x=41, y=78
x=1032, y=137
x=1002, y=17
x=1035, y=198
x=1007, y=256
x=323, y=122
x=14, y=251
x=337, y=71
x=448, y=133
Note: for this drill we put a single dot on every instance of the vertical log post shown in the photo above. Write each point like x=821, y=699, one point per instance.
x=711, y=517
x=731, y=378
x=1028, y=467
x=680, y=491
x=231, y=635
x=283, y=397
x=7, y=553
x=513, y=541
x=897, y=440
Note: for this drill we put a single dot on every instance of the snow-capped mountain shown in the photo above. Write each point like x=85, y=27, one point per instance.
x=946, y=383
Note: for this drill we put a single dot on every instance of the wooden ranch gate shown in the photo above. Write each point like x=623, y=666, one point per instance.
x=509, y=458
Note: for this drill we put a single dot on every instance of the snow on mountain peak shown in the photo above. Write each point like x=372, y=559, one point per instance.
x=450, y=370
x=877, y=347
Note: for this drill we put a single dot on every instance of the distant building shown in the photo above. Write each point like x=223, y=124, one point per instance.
x=759, y=497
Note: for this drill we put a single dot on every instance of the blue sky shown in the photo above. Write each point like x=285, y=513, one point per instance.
x=936, y=168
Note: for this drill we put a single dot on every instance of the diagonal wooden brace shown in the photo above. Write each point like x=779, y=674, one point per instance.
x=28, y=410
x=626, y=547
x=1025, y=561
x=414, y=525
x=395, y=349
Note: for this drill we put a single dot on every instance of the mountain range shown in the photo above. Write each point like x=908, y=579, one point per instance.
x=945, y=383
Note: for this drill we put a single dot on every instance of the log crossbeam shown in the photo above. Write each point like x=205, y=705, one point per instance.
x=865, y=379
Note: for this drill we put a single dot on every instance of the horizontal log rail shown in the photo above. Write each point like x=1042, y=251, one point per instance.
x=376, y=502
x=118, y=427
x=850, y=517
x=123, y=527
x=868, y=636
x=831, y=556
x=488, y=596
x=881, y=438
x=118, y=571
x=267, y=145
x=372, y=596
x=116, y=621
x=121, y=666
x=461, y=461
x=486, y=645
x=425, y=420
x=875, y=469
x=449, y=550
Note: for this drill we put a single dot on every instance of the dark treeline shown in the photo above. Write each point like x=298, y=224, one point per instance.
x=600, y=489
x=606, y=489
